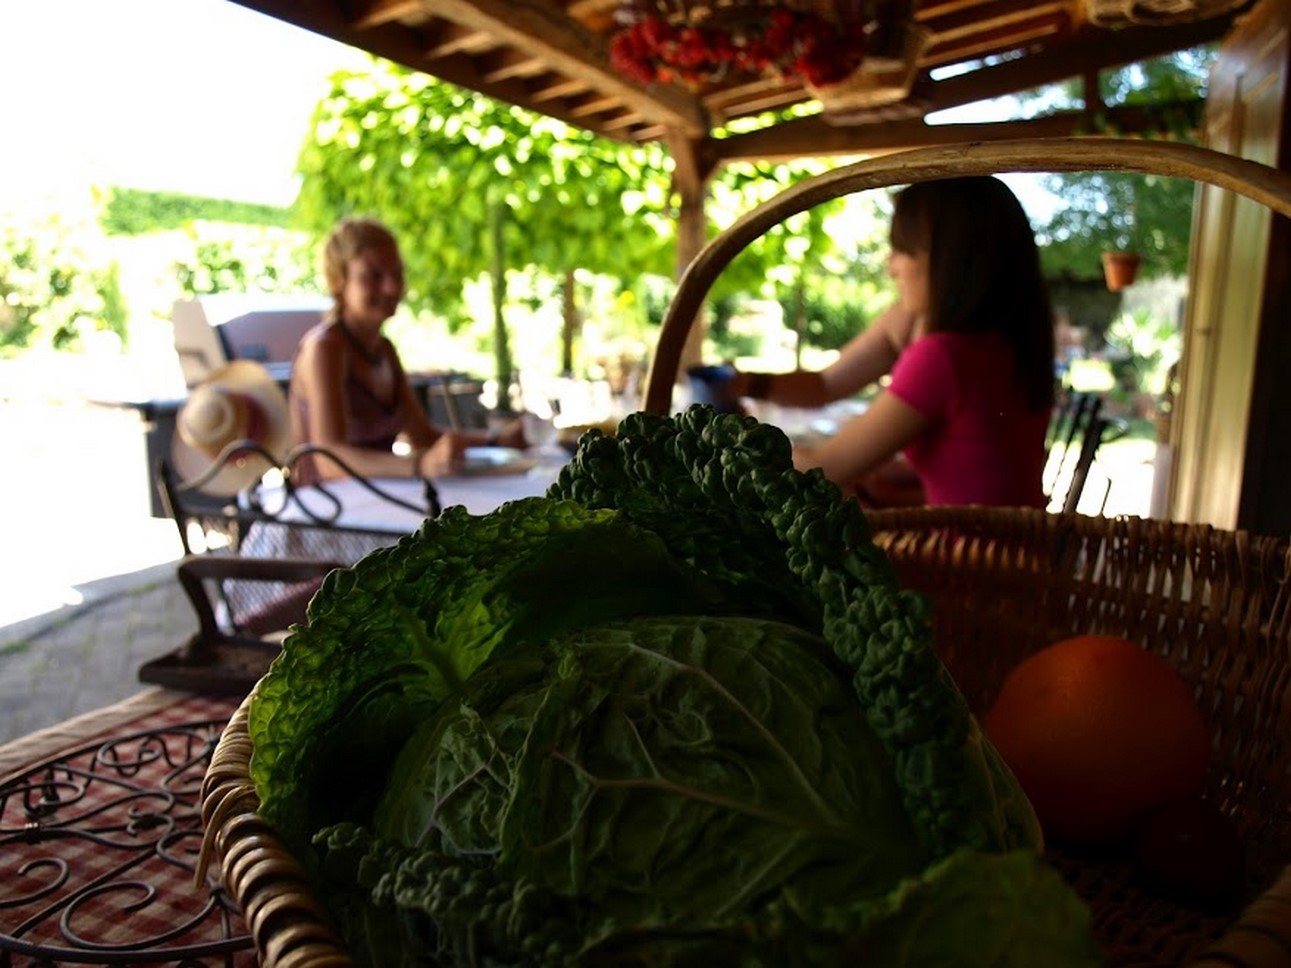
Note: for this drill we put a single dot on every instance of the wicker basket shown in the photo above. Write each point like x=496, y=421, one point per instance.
x=1215, y=604
x=291, y=929
x=1003, y=582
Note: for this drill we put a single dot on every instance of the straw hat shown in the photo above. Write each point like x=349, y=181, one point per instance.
x=238, y=401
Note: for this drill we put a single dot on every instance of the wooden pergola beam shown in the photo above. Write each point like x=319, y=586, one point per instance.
x=1018, y=35
x=571, y=49
x=1096, y=53
x=813, y=136
x=372, y=13
x=857, y=134
x=693, y=166
x=529, y=24
x=954, y=27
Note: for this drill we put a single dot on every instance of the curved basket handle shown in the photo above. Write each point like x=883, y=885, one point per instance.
x=1266, y=185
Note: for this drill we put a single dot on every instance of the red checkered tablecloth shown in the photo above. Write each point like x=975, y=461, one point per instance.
x=99, y=836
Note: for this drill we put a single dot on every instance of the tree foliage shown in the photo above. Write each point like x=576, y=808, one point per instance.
x=437, y=163
x=821, y=285
x=784, y=251
x=1102, y=211
x=472, y=186
x=220, y=259
x=1108, y=210
x=54, y=292
x=830, y=310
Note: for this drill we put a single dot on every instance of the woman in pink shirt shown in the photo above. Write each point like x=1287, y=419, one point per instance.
x=969, y=345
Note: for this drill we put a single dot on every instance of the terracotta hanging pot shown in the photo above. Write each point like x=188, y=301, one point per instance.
x=1120, y=268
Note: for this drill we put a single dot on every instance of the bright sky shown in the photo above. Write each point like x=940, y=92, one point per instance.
x=197, y=96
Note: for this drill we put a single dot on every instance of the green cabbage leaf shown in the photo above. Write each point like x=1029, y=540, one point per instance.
x=676, y=712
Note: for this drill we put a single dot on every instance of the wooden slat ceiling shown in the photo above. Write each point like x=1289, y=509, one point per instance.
x=552, y=56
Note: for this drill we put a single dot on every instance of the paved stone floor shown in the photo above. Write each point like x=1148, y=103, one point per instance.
x=82, y=657
x=87, y=576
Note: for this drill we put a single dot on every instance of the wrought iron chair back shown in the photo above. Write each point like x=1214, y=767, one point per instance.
x=1075, y=435
x=252, y=562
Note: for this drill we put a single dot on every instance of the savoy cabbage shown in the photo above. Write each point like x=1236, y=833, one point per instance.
x=676, y=712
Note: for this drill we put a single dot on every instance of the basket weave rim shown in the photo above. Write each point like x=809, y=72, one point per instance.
x=1266, y=185
x=269, y=885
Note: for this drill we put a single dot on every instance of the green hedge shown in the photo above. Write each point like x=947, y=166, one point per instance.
x=131, y=211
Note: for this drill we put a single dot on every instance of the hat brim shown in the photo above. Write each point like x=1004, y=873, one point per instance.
x=238, y=472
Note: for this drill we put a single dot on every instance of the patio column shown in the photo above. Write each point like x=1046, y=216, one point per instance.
x=693, y=165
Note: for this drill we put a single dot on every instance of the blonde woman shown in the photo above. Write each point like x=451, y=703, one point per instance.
x=349, y=392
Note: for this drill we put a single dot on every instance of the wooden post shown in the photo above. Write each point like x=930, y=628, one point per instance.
x=498, y=213
x=692, y=169
x=571, y=325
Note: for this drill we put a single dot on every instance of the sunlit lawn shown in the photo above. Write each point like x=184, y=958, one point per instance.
x=1090, y=376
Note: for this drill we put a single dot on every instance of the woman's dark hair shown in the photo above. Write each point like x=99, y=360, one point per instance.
x=983, y=269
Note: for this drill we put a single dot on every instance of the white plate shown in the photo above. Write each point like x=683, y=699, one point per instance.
x=495, y=460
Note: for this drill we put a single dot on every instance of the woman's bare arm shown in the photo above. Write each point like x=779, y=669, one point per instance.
x=870, y=355
x=865, y=442
x=421, y=433
x=320, y=375
x=867, y=357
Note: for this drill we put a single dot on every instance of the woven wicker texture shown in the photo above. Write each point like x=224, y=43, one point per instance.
x=291, y=929
x=1004, y=582
x=1215, y=604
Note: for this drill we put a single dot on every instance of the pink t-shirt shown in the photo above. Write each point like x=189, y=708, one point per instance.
x=985, y=445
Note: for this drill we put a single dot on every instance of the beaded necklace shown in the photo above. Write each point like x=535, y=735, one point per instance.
x=373, y=357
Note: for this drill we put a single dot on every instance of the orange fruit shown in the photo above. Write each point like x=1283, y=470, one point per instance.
x=1098, y=730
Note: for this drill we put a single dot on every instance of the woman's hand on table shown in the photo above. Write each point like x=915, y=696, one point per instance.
x=864, y=442
x=444, y=457
x=512, y=434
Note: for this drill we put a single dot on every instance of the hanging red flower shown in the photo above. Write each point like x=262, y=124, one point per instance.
x=783, y=42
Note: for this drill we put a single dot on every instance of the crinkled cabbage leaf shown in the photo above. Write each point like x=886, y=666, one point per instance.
x=676, y=712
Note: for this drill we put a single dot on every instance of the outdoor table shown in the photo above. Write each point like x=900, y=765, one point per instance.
x=361, y=509
x=100, y=830
x=346, y=518
x=448, y=399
